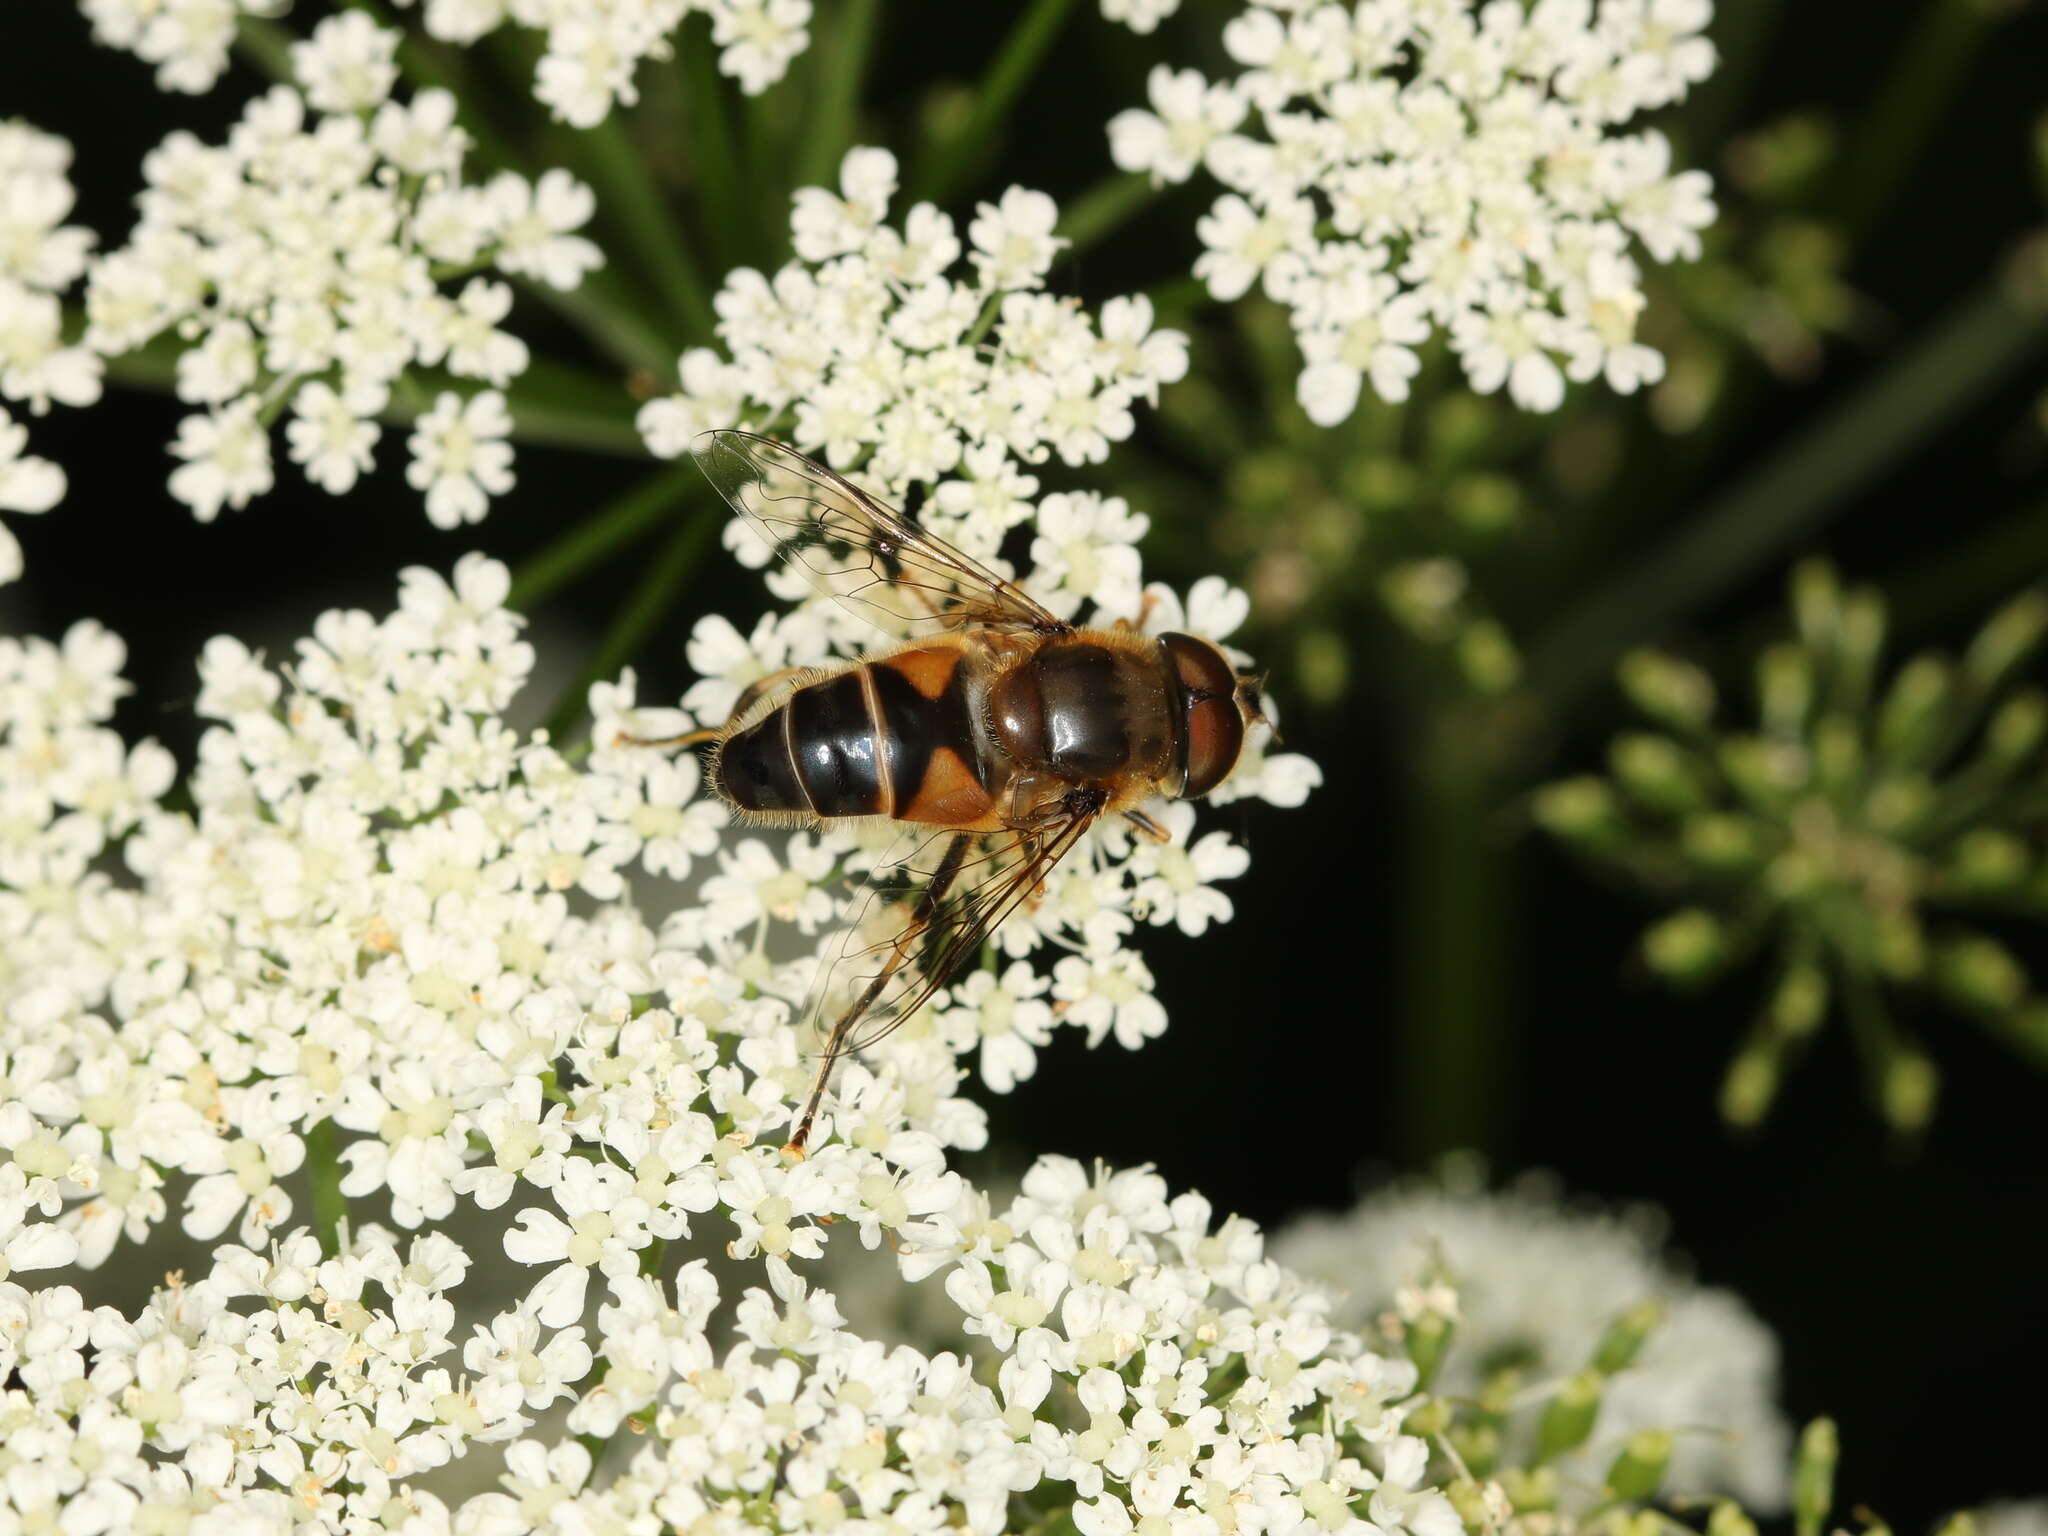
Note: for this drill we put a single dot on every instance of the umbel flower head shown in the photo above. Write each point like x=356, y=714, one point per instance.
x=320, y=261
x=1397, y=171
x=594, y=47
x=1870, y=837
x=1558, y=1337
x=387, y=936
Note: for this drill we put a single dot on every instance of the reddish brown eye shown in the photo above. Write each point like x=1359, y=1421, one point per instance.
x=1215, y=737
x=1211, y=725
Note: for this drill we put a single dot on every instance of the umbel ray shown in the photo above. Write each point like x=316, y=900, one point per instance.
x=1002, y=727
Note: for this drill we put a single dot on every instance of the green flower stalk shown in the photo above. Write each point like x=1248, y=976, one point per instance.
x=1870, y=840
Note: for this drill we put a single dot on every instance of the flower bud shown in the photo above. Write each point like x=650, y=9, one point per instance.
x=1637, y=1471
x=1911, y=718
x=1582, y=809
x=1911, y=1083
x=1568, y=1417
x=1469, y=1500
x=1382, y=484
x=1497, y=1392
x=1784, y=685
x=1686, y=947
x=2017, y=729
x=1668, y=690
x=1989, y=860
x=1813, y=1477
x=1816, y=605
x=1657, y=772
x=1837, y=754
x=1488, y=658
x=1728, y=1519
x=1530, y=1489
x=1980, y=975
x=1427, y=1339
x=1750, y=1086
x=1479, y=1446
x=1724, y=841
x=1898, y=946
x=1862, y=640
x=2007, y=639
x=1897, y=804
x=1484, y=503
x=1800, y=1002
x=1765, y=772
x=1423, y=596
x=1625, y=1335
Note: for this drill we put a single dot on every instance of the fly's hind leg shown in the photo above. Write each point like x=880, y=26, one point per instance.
x=750, y=695
x=899, y=955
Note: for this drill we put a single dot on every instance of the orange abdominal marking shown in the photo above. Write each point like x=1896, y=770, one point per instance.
x=949, y=795
x=929, y=669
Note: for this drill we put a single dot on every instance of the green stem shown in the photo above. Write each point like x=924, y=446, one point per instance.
x=267, y=46
x=610, y=317
x=620, y=177
x=1452, y=1053
x=1892, y=131
x=637, y=620
x=323, y=1172
x=941, y=174
x=841, y=68
x=714, y=152
x=1102, y=209
x=1963, y=585
x=1953, y=364
x=537, y=421
x=596, y=538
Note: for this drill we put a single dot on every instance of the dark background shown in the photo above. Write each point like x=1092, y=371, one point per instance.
x=1904, y=1282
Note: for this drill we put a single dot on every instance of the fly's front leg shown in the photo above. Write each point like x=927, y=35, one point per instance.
x=1146, y=604
x=1148, y=826
x=899, y=955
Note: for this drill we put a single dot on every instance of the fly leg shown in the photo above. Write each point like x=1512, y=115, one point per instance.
x=1145, y=606
x=750, y=695
x=1148, y=826
x=899, y=955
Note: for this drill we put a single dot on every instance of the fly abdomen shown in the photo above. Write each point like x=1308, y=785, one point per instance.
x=816, y=753
x=754, y=769
x=832, y=737
x=884, y=738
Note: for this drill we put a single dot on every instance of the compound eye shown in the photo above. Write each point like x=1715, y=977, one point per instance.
x=1215, y=738
x=1211, y=723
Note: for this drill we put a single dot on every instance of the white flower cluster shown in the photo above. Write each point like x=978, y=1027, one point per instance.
x=1403, y=168
x=1139, y=15
x=876, y=347
x=594, y=47
x=40, y=257
x=303, y=264
x=1539, y=1283
x=187, y=40
x=382, y=917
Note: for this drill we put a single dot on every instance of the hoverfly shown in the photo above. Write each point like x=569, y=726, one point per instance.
x=1007, y=730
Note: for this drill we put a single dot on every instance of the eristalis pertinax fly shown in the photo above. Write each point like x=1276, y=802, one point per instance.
x=1006, y=729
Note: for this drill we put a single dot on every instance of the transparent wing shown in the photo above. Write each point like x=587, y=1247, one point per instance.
x=920, y=918
x=873, y=559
